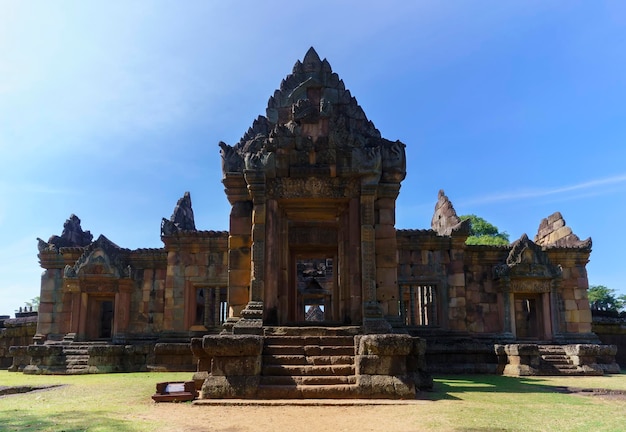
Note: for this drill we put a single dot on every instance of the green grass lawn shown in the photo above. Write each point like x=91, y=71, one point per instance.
x=121, y=402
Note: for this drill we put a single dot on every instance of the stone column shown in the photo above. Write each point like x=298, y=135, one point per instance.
x=387, y=251
x=239, y=242
x=252, y=316
x=373, y=316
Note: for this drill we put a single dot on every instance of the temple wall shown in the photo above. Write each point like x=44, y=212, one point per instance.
x=55, y=301
x=574, y=309
x=484, y=301
x=194, y=260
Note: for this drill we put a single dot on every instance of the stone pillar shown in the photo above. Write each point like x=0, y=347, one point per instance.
x=373, y=316
x=387, y=293
x=239, y=242
x=122, y=310
x=252, y=315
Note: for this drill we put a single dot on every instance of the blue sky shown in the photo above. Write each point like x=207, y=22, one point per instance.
x=112, y=110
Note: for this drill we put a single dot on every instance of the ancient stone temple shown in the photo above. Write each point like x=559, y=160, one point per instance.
x=313, y=292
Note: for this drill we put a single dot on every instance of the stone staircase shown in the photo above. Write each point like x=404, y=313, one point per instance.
x=554, y=361
x=308, y=363
x=77, y=356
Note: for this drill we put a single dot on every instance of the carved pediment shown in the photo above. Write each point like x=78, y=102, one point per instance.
x=527, y=260
x=102, y=258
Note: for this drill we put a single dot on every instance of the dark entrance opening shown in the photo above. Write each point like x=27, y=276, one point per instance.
x=105, y=330
x=528, y=316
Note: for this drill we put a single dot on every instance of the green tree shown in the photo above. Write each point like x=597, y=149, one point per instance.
x=484, y=233
x=34, y=303
x=604, y=299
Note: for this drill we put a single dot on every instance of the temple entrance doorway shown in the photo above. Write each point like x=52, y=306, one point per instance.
x=315, y=283
x=529, y=317
x=100, y=318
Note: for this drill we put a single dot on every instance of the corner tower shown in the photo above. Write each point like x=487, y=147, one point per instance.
x=313, y=188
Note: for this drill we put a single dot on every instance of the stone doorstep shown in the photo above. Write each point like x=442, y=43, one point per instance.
x=276, y=359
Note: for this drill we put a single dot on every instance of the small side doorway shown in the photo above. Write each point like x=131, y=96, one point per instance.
x=100, y=318
x=529, y=317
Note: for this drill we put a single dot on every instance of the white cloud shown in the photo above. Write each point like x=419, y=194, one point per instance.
x=591, y=188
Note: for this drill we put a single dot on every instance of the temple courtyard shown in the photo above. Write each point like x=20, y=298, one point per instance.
x=122, y=402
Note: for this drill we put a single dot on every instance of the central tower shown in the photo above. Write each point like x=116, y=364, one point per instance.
x=313, y=188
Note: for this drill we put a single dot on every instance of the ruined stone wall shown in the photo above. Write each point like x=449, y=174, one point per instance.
x=612, y=331
x=15, y=332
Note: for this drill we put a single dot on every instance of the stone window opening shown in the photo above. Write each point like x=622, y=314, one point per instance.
x=420, y=304
x=211, y=307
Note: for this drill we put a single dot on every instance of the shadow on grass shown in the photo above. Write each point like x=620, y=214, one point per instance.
x=444, y=386
x=68, y=421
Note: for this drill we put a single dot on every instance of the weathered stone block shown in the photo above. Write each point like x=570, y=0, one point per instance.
x=222, y=387
x=457, y=279
x=380, y=365
x=385, y=344
x=232, y=345
x=236, y=365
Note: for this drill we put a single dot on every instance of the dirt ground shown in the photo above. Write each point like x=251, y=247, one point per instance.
x=328, y=416
x=402, y=417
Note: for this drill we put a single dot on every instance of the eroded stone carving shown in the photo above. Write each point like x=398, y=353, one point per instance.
x=554, y=232
x=445, y=220
x=72, y=236
x=526, y=259
x=101, y=258
x=181, y=220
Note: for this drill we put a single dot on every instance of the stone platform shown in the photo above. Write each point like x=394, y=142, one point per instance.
x=310, y=363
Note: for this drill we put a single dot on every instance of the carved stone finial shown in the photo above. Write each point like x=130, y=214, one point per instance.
x=182, y=219
x=445, y=219
x=72, y=236
x=554, y=232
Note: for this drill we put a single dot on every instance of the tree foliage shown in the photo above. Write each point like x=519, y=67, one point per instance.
x=484, y=233
x=605, y=299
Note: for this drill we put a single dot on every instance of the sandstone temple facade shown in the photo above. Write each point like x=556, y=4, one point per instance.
x=313, y=291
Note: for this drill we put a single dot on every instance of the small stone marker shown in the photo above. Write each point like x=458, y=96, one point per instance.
x=175, y=392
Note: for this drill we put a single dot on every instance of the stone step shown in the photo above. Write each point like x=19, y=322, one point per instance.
x=556, y=359
x=295, y=370
x=308, y=350
x=310, y=340
x=75, y=351
x=312, y=331
x=551, y=349
x=338, y=391
x=77, y=360
x=307, y=380
x=275, y=359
